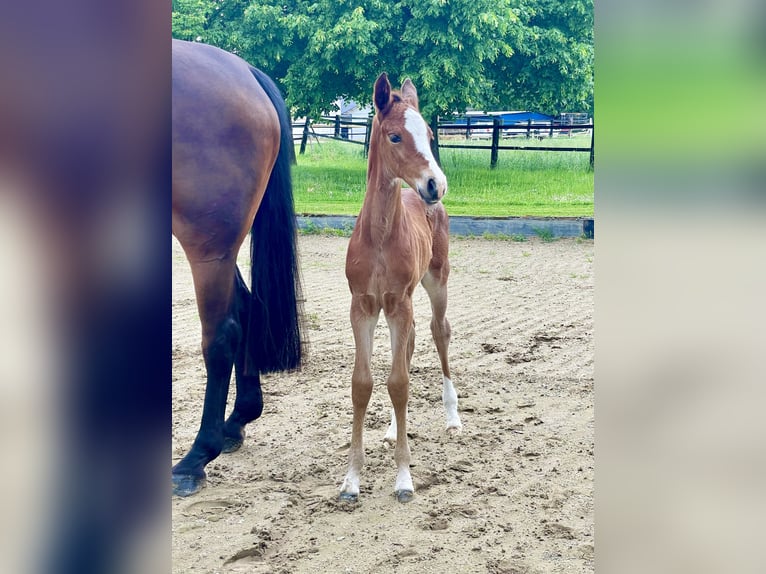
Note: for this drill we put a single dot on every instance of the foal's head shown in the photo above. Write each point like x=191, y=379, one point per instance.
x=403, y=140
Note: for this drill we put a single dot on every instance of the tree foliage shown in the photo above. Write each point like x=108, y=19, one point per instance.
x=532, y=54
x=551, y=69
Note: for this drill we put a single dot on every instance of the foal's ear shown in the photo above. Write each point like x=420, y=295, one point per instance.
x=382, y=94
x=409, y=93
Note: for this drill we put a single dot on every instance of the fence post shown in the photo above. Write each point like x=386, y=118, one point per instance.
x=529, y=125
x=337, y=125
x=293, y=159
x=305, y=137
x=592, y=131
x=468, y=127
x=435, y=141
x=367, y=136
x=496, y=122
x=550, y=134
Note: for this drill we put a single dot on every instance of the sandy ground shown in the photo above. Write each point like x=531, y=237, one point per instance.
x=513, y=494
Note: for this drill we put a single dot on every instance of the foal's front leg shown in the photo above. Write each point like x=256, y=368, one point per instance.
x=400, y=326
x=390, y=436
x=363, y=326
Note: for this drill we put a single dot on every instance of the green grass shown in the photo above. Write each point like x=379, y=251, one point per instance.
x=330, y=179
x=544, y=234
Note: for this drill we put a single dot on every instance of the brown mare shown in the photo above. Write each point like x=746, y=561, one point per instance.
x=231, y=177
x=401, y=238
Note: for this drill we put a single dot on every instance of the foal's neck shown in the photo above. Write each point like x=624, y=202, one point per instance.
x=382, y=210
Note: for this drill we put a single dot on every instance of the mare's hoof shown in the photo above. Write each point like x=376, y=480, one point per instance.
x=404, y=495
x=348, y=497
x=231, y=444
x=186, y=484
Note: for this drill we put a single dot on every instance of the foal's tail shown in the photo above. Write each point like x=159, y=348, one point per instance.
x=273, y=333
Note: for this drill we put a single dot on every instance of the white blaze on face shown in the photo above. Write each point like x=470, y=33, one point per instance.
x=416, y=125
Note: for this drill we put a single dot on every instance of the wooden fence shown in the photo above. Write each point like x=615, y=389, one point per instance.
x=358, y=132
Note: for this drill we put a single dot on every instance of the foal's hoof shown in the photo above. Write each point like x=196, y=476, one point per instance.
x=404, y=495
x=348, y=497
x=186, y=484
x=232, y=444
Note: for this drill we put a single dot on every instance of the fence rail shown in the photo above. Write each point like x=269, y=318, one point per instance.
x=342, y=129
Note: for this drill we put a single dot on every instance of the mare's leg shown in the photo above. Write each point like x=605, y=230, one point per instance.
x=248, y=404
x=364, y=317
x=221, y=334
x=399, y=320
x=435, y=284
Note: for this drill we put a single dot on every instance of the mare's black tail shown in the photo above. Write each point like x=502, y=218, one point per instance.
x=273, y=339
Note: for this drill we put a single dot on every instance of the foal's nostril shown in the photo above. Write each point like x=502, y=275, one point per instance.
x=432, y=191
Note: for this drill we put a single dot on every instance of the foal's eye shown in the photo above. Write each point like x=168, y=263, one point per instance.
x=395, y=138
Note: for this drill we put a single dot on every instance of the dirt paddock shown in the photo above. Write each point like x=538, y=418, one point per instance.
x=513, y=494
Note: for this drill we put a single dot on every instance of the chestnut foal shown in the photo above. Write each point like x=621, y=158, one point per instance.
x=401, y=238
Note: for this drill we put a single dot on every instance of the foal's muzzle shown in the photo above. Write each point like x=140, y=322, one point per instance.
x=430, y=193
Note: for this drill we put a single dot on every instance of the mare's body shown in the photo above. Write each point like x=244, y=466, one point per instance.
x=231, y=177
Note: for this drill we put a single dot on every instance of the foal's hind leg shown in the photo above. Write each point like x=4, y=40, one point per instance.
x=221, y=335
x=435, y=284
x=248, y=404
